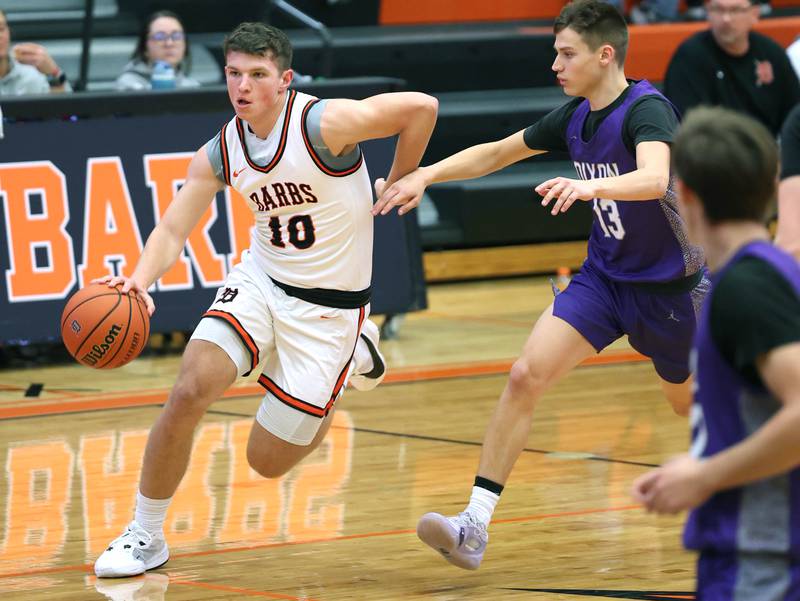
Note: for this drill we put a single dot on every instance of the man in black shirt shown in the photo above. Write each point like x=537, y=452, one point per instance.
x=789, y=191
x=732, y=66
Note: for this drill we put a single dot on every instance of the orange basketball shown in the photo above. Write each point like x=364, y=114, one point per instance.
x=103, y=328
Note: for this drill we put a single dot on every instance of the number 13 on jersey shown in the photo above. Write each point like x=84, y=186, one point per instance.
x=608, y=218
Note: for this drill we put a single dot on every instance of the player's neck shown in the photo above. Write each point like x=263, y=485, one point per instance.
x=607, y=91
x=5, y=65
x=724, y=240
x=263, y=126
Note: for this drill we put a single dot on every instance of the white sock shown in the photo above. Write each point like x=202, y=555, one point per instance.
x=482, y=504
x=151, y=513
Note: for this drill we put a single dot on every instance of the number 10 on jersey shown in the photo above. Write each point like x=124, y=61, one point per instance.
x=299, y=230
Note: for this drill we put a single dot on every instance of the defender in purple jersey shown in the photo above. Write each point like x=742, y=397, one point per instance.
x=641, y=278
x=742, y=475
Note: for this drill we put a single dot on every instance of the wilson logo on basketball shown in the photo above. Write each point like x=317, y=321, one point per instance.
x=76, y=327
x=99, y=350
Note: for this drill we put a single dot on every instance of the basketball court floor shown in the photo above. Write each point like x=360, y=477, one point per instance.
x=341, y=524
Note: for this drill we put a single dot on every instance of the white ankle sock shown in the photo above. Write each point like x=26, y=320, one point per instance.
x=150, y=513
x=482, y=504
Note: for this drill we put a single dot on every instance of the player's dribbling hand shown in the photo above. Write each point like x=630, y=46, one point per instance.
x=565, y=191
x=128, y=285
x=405, y=194
x=677, y=486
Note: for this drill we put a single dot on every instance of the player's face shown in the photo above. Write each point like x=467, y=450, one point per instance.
x=577, y=67
x=166, y=41
x=256, y=84
x=731, y=20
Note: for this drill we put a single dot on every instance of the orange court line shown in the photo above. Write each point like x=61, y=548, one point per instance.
x=242, y=591
x=331, y=539
x=125, y=399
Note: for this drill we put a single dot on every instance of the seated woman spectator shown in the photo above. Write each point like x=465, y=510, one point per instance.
x=161, y=40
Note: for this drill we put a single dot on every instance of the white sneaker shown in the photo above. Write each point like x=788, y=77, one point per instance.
x=369, y=365
x=135, y=552
x=460, y=539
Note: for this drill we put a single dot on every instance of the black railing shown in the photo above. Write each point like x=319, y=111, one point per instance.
x=324, y=34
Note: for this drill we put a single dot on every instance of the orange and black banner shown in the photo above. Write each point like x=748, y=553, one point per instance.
x=80, y=197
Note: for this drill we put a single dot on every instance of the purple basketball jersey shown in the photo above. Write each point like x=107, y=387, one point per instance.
x=631, y=241
x=764, y=516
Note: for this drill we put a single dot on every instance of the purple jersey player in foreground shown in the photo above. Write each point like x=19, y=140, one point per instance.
x=742, y=477
x=641, y=278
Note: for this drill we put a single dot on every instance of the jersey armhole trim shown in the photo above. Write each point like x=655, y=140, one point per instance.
x=316, y=158
x=223, y=148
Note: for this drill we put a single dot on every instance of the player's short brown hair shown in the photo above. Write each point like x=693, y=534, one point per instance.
x=730, y=161
x=260, y=40
x=597, y=23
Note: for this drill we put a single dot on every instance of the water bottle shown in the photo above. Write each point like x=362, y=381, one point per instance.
x=563, y=278
x=163, y=77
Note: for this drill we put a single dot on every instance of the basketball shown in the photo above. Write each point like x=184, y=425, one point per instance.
x=103, y=328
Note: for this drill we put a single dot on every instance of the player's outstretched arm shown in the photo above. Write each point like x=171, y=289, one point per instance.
x=475, y=161
x=409, y=115
x=169, y=236
x=649, y=180
x=685, y=482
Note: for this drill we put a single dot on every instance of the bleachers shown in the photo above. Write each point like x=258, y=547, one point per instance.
x=110, y=55
x=36, y=10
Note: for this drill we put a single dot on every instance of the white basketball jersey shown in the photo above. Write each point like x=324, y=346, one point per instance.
x=313, y=226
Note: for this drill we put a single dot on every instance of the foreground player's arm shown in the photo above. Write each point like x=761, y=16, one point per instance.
x=475, y=161
x=649, y=180
x=169, y=236
x=788, y=235
x=686, y=482
x=410, y=116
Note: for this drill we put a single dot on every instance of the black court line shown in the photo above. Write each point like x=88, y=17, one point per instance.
x=470, y=443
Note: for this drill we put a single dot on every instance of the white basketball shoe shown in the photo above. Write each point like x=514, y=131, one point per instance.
x=132, y=553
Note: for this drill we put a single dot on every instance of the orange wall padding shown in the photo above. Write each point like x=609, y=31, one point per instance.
x=651, y=46
x=406, y=12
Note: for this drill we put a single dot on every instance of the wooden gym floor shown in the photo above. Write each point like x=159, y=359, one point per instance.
x=341, y=525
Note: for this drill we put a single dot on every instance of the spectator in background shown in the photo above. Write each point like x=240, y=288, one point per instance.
x=31, y=70
x=695, y=11
x=788, y=236
x=731, y=65
x=161, y=40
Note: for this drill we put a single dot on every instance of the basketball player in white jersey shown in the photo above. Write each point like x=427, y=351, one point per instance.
x=300, y=296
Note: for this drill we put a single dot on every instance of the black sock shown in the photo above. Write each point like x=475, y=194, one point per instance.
x=489, y=485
